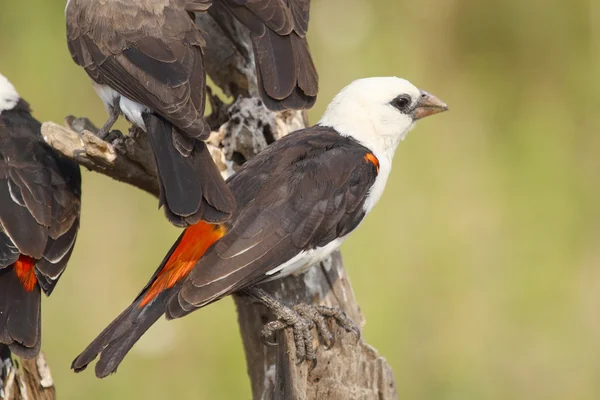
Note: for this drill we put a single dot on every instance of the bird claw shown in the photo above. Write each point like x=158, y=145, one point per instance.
x=341, y=318
x=112, y=136
x=269, y=330
x=302, y=318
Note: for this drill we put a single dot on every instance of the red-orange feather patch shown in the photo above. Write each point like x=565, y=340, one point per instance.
x=370, y=157
x=194, y=243
x=25, y=270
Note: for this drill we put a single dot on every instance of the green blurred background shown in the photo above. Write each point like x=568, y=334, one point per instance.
x=478, y=272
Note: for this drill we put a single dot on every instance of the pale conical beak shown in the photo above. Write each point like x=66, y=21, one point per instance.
x=428, y=105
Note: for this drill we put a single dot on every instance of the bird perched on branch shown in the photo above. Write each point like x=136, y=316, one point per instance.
x=297, y=201
x=40, y=192
x=146, y=62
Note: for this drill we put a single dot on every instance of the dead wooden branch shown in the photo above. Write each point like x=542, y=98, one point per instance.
x=127, y=159
x=25, y=379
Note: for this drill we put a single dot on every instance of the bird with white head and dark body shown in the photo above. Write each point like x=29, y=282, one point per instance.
x=297, y=201
x=145, y=60
x=40, y=192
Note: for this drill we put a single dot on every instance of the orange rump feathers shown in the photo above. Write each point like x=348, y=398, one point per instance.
x=194, y=243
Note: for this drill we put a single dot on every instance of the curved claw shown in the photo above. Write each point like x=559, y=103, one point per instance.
x=112, y=136
x=357, y=333
x=313, y=364
x=329, y=345
x=269, y=330
x=265, y=339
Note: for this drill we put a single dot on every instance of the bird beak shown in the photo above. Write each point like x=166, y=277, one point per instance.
x=428, y=105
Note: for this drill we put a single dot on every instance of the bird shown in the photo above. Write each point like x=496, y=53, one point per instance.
x=145, y=60
x=297, y=200
x=286, y=73
x=40, y=203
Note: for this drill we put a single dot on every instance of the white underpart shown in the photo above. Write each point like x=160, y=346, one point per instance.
x=362, y=110
x=302, y=261
x=131, y=109
x=8, y=95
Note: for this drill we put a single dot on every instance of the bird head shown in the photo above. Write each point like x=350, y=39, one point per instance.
x=8, y=95
x=379, y=112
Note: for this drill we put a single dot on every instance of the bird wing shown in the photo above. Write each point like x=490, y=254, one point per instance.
x=156, y=61
x=287, y=77
x=301, y=193
x=281, y=16
x=39, y=201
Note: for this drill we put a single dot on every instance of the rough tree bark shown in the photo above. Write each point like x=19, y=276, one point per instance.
x=25, y=379
x=351, y=369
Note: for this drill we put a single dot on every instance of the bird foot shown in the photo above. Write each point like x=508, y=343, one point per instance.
x=112, y=137
x=113, y=114
x=82, y=124
x=302, y=318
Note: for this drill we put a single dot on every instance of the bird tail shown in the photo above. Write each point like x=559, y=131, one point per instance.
x=191, y=186
x=286, y=73
x=120, y=336
x=20, y=325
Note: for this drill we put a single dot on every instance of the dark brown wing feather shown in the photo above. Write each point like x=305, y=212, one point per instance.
x=39, y=217
x=311, y=187
x=285, y=70
x=156, y=62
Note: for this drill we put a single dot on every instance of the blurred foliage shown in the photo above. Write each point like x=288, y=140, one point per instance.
x=478, y=272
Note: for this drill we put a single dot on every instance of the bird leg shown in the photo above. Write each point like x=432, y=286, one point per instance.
x=113, y=114
x=301, y=318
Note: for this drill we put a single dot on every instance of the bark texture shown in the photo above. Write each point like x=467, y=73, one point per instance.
x=25, y=379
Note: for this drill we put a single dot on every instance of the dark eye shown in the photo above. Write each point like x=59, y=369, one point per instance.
x=402, y=102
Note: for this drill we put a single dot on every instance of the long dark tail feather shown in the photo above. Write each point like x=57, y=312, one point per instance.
x=287, y=75
x=20, y=325
x=118, y=338
x=191, y=186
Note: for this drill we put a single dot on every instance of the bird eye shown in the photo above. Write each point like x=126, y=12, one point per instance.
x=402, y=102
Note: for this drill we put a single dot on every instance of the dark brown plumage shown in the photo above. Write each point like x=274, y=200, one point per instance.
x=40, y=194
x=287, y=77
x=150, y=52
x=145, y=59
x=294, y=216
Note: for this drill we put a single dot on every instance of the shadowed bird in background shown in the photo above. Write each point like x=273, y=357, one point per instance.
x=145, y=60
x=40, y=192
x=287, y=77
x=296, y=202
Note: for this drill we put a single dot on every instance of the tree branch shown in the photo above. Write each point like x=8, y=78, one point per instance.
x=351, y=369
x=127, y=159
x=25, y=380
